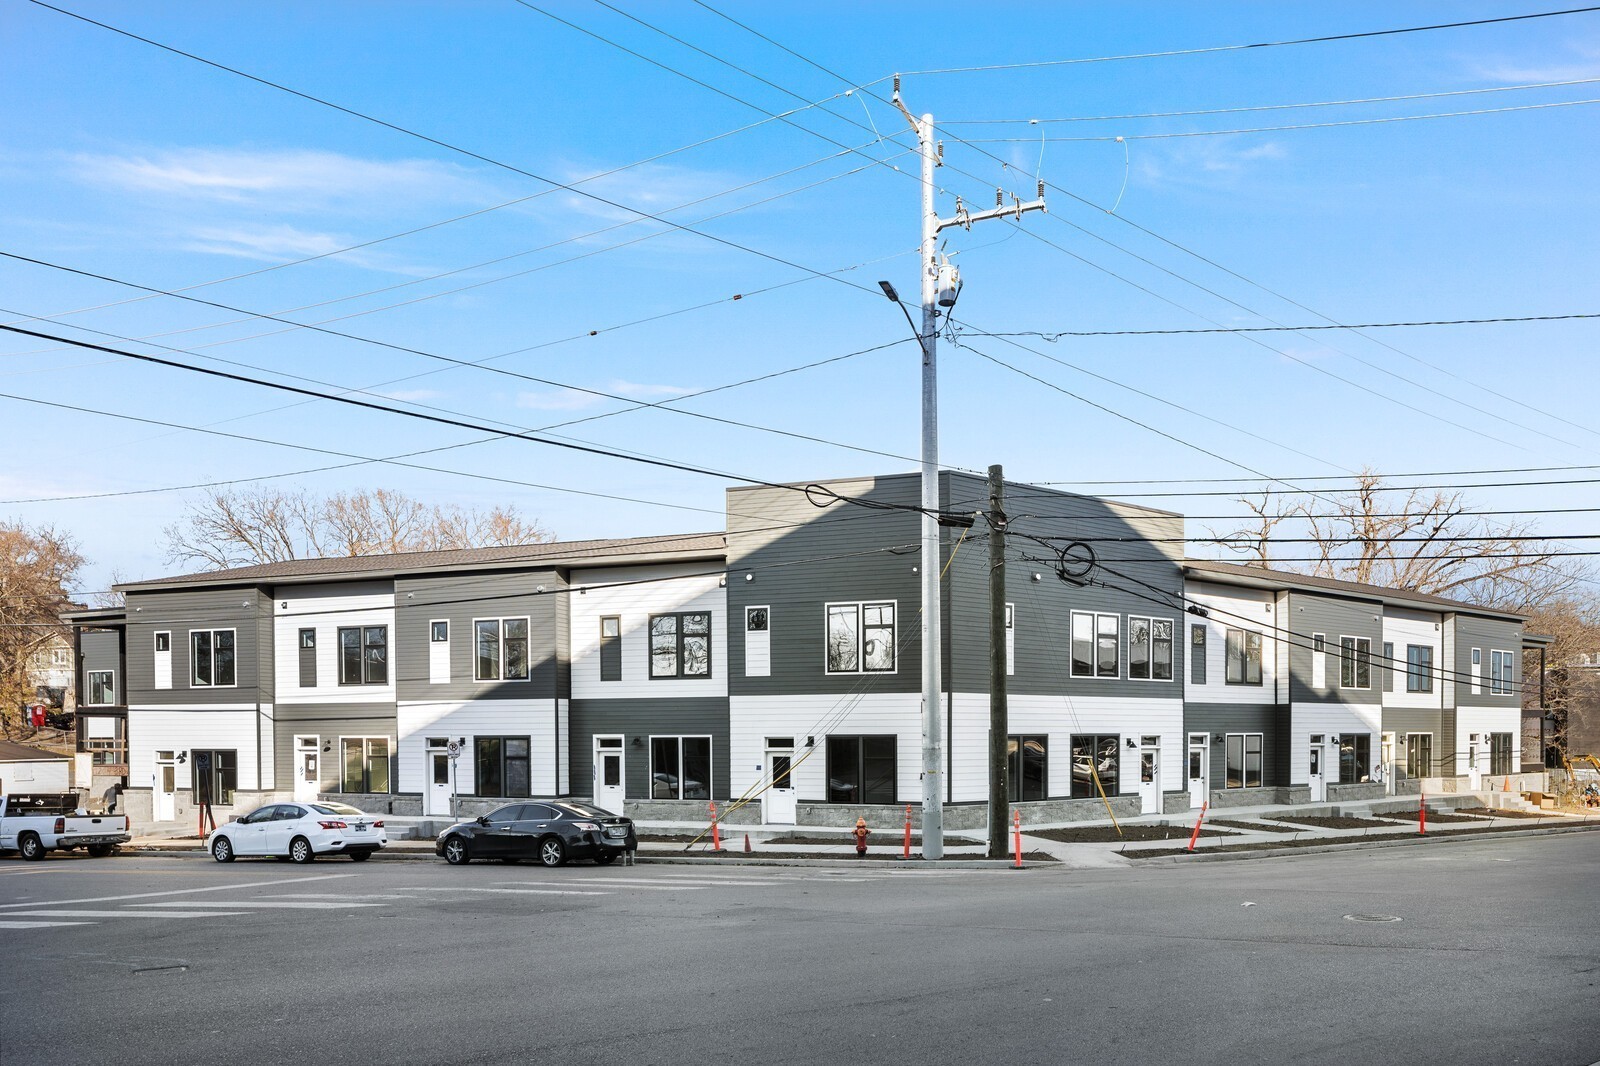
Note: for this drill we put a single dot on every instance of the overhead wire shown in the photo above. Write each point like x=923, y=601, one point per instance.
x=1053, y=335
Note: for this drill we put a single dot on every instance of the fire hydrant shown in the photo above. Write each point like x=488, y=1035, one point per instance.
x=860, y=833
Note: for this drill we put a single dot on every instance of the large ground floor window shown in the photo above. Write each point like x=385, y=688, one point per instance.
x=366, y=764
x=1094, y=757
x=1419, y=754
x=1243, y=753
x=1028, y=768
x=1355, y=758
x=680, y=768
x=216, y=776
x=1500, y=753
x=502, y=766
x=862, y=770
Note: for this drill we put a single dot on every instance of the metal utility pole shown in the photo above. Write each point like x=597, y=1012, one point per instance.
x=940, y=285
x=999, y=813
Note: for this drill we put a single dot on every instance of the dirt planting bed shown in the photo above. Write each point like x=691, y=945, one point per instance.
x=1105, y=834
x=1341, y=822
x=1260, y=827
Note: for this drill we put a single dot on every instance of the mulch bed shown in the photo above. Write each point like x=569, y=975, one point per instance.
x=1433, y=816
x=1105, y=834
x=1265, y=827
x=1496, y=812
x=1341, y=822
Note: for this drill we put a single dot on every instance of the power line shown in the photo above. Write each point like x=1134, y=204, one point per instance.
x=1246, y=47
x=1057, y=334
x=1334, y=477
x=1390, y=488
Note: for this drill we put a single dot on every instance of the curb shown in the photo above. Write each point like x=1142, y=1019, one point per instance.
x=419, y=855
x=1376, y=842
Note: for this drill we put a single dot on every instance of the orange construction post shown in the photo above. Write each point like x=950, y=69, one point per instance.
x=1194, y=836
x=1422, y=815
x=716, y=831
x=1016, y=835
x=908, y=831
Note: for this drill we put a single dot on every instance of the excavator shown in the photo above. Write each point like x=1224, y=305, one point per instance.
x=1591, y=792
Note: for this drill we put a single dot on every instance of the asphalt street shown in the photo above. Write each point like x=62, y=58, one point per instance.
x=1494, y=958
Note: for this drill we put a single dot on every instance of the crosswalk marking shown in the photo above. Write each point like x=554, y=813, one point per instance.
x=186, y=891
x=127, y=914
x=614, y=883
x=518, y=891
x=286, y=904
x=37, y=925
x=338, y=895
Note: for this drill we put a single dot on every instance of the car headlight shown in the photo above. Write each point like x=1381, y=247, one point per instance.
x=587, y=827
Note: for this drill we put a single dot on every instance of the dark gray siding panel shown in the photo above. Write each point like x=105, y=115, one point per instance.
x=462, y=598
x=1401, y=721
x=1309, y=614
x=1489, y=635
x=329, y=722
x=308, y=658
x=102, y=650
x=247, y=611
x=1220, y=719
x=637, y=721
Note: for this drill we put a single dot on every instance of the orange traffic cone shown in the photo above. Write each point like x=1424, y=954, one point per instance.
x=747, y=843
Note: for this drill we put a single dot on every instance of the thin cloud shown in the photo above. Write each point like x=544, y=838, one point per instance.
x=1581, y=61
x=275, y=244
x=564, y=400
x=636, y=391
x=412, y=395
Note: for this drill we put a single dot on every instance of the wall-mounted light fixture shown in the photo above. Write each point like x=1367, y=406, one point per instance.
x=638, y=742
x=811, y=742
x=284, y=604
x=722, y=582
x=183, y=757
x=749, y=577
x=538, y=588
x=1131, y=744
x=1038, y=577
x=327, y=746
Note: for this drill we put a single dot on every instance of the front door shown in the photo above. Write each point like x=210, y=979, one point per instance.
x=308, y=768
x=1319, y=789
x=166, y=791
x=1386, y=763
x=440, y=784
x=608, y=774
x=1198, y=770
x=1474, y=766
x=1149, y=779
x=778, y=806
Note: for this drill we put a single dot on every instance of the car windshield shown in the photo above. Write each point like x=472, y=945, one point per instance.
x=335, y=808
x=582, y=810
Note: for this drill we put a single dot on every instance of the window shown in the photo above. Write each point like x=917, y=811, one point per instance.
x=1419, y=754
x=106, y=740
x=502, y=649
x=211, y=660
x=502, y=766
x=366, y=764
x=861, y=638
x=680, y=645
x=1500, y=673
x=1096, y=640
x=1355, y=662
x=439, y=632
x=308, y=658
x=1197, y=654
x=102, y=689
x=1150, y=648
x=1355, y=757
x=755, y=619
x=308, y=639
x=1388, y=666
x=1243, y=751
x=1243, y=657
x=1094, y=757
x=862, y=770
x=163, y=642
x=611, y=648
x=1500, y=752
x=363, y=655
x=1028, y=767
x=680, y=768
x=1419, y=668
x=216, y=776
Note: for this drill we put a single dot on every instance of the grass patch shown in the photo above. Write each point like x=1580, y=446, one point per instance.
x=1105, y=834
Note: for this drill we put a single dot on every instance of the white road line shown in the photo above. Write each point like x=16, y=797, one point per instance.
x=614, y=883
x=127, y=914
x=338, y=895
x=306, y=905
x=186, y=891
x=521, y=891
x=37, y=925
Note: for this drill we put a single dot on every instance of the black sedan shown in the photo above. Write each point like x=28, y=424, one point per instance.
x=551, y=831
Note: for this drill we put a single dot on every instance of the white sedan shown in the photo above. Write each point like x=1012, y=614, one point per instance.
x=300, y=832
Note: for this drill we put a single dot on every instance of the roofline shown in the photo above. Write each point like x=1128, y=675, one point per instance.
x=91, y=615
x=1154, y=512
x=1280, y=579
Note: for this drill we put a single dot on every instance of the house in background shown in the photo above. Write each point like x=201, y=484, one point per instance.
x=25, y=769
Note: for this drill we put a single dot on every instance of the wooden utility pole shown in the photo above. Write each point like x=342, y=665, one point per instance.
x=999, y=794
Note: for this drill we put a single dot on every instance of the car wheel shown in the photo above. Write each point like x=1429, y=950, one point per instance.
x=99, y=851
x=456, y=853
x=552, y=852
x=360, y=856
x=300, y=850
x=31, y=848
x=606, y=858
x=222, y=850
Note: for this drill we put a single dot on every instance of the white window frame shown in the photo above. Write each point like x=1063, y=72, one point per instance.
x=212, y=684
x=1355, y=663
x=433, y=632
x=1244, y=662
x=88, y=684
x=860, y=608
x=711, y=762
x=1500, y=683
x=680, y=674
x=1244, y=761
x=1150, y=659
x=500, y=649
x=1094, y=645
x=366, y=740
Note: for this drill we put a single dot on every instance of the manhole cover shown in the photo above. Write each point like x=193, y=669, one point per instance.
x=1372, y=918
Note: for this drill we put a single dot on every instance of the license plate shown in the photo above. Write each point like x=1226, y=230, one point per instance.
x=359, y=828
x=616, y=832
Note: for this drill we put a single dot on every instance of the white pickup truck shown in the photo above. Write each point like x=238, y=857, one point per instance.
x=35, y=824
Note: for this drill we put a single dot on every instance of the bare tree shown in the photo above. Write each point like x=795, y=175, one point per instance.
x=228, y=528
x=1428, y=542
x=37, y=566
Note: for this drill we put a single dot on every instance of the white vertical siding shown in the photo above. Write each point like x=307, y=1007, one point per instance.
x=644, y=591
x=163, y=666
x=439, y=654
x=758, y=647
x=326, y=608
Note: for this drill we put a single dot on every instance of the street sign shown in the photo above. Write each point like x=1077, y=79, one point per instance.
x=453, y=749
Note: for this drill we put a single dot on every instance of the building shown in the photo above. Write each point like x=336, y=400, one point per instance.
x=774, y=666
x=33, y=770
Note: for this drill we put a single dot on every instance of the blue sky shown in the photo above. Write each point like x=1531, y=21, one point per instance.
x=124, y=160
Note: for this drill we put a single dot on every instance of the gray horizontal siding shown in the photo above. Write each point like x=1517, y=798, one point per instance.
x=639, y=720
x=247, y=611
x=1309, y=614
x=329, y=722
x=1219, y=719
x=463, y=598
x=1488, y=635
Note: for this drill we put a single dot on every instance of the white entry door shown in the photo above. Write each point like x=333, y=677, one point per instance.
x=1199, y=785
x=1386, y=763
x=778, y=804
x=440, y=783
x=308, y=768
x=1474, y=766
x=1319, y=788
x=610, y=778
x=166, y=787
x=1149, y=778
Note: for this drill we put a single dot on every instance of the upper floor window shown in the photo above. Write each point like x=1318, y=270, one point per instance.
x=1419, y=668
x=1500, y=673
x=1197, y=654
x=211, y=658
x=1355, y=662
x=102, y=688
x=363, y=655
x=501, y=649
x=1150, y=648
x=611, y=648
x=163, y=641
x=308, y=639
x=861, y=638
x=680, y=645
x=1243, y=657
x=438, y=632
x=1096, y=645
